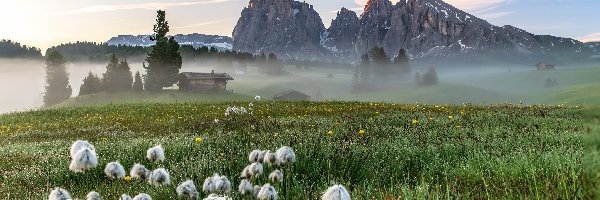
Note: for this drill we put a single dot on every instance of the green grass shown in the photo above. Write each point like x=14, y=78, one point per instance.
x=483, y=152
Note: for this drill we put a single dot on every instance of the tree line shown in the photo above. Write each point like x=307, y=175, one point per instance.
x=11, y=49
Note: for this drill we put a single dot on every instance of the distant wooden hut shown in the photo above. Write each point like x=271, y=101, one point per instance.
x=543, y=66
x=204, y=82
x=291, y=95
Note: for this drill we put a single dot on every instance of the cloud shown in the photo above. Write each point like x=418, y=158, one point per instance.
x=592, y=37
x=146, y=6
x=205, y=23
x=475, y=5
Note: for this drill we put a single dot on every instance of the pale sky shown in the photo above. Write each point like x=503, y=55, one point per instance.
x=45, y=23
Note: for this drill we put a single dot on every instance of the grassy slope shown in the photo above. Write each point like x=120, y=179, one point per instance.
x=498, y=152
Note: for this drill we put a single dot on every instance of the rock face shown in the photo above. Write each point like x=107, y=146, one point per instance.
x=196, y=40
x=433, y=28
x=288, y=28
x=425, y=28
x=340, y=37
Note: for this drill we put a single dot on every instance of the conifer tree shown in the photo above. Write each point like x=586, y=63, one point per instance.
x=57, y=79
x=164, y=62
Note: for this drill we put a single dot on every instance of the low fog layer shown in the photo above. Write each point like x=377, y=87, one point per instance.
x=23, y=83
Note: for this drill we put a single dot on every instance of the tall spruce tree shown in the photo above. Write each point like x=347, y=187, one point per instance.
x=138, y=86
x=91, y=84
x=380, y=63
x=401, y=62
x=110, y=77
x=164, y=62
x=57, y=79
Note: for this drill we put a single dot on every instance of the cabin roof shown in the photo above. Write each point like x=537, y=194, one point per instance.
x=206, y=76
x=290, y=92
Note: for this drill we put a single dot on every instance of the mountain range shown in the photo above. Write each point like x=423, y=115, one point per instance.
x=425, y=28
x=196, y=40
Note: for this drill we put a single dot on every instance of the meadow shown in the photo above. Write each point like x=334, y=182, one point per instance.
x=404, y=151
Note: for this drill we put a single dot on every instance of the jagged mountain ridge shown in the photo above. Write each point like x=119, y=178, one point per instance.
x=426, y=28
x=289, y=28
x=196, y=40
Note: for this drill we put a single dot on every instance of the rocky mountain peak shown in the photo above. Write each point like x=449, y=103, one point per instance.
x=341, y=35
x=289, y=28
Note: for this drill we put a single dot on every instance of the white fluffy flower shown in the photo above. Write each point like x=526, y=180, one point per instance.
x=142, y=196
x=217, y=197
x=139, y=172
x=59, y=194
x=93, y=196
x=286, y=154
x=114, y=170
x=271, y=158
x=125, y=197
x=159, y=177
x=78, y=145
x=253, y=156
x=276, y=176
x=257, y=98
x=336, y=192
x=187, y=189
x=245, y=187
x=83, y=160
x=267, y=192
x=216, y=184
x=256, y=169
x=156, y=154
x=261, y=156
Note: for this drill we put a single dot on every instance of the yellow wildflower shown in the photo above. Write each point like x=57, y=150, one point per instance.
x=128, y=178
x=104, y=139
x=330, y=133
x=361, y=132
x=457, y=126
x=414, y=121
x=450, y=117
x=198, y=140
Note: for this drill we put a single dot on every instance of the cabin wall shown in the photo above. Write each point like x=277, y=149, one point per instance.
x=207, y=85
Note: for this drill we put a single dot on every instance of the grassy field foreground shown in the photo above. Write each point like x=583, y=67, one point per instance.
x=406, y=151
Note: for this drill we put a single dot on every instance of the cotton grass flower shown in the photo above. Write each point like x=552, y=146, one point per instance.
x=159, y=177
x=79, y=145
x=222, y=184
x=139, y=172
x=261, y=155
x=253, y=156
x=336, y=192
x=156, y=154
x=216, y=184
x=276, y=176
x=245, y=173
x=83, y=160
x=187, y=189
x=257, y=98
x=125, y=197
x=114, y=170
x=59, y=194
x=245, y=187
x=271, y=158
x=255, y=169
x=216, y=197
x=93, y=196
x=256, y=191
x=267, y=192
x=285, y=155
x=142, y=196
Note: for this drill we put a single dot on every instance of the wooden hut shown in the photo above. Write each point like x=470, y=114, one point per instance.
x=204, y=82
x=291, y=95
x=543, y=66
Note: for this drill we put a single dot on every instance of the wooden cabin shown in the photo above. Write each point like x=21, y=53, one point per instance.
x=291, y=95
x=204, y=82
x=543, y=66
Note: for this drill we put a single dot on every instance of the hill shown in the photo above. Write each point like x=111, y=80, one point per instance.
x=11, y=49
x=403, y=151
